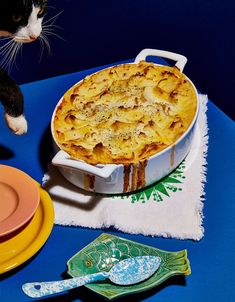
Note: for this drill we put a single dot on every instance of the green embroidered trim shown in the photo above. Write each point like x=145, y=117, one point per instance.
x=160, y=190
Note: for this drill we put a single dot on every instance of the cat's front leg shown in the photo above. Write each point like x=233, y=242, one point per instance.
x=17, y=124
x=13, y=102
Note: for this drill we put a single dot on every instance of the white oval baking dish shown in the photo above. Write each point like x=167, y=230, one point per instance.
x=118, y=178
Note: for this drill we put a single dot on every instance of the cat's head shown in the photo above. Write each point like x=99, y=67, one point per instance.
x=22, y=19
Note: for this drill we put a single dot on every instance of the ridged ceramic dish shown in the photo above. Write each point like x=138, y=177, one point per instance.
x=19, y=246
x=107, y=250
x=19, y=199
x=121, y=178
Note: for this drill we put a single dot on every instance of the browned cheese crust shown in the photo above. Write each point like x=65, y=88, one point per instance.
x=124, y=114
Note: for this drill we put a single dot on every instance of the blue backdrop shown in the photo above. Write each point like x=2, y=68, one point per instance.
x=106, y=31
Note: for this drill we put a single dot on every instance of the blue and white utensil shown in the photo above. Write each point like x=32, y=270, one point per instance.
x=126, y=272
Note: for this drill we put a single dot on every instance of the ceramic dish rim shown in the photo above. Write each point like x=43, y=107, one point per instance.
x=152, y=156
x=22, y=213
x=46, y=206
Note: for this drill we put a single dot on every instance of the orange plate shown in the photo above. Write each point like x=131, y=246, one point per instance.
x=19, y=199
x=21, y=245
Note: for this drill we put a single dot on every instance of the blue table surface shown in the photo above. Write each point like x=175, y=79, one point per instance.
x=212, y=259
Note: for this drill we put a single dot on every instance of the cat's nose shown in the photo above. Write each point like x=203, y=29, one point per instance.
x=33, y=37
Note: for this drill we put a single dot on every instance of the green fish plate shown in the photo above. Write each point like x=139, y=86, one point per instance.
x=106, y=250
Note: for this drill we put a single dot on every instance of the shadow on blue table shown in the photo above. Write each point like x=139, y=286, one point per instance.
x=46, y=149
x=5, y=153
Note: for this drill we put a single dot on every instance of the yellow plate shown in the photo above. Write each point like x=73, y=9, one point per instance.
x=23, y=244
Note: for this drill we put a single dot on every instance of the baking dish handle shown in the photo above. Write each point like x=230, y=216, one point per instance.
x=62, y=159
x=180, y=59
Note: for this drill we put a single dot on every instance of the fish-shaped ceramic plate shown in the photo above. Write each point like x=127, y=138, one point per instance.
x=106, y=250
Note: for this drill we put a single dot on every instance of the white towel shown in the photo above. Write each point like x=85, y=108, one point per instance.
x=170, y=208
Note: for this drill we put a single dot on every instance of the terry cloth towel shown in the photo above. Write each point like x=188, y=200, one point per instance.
x=170, y=208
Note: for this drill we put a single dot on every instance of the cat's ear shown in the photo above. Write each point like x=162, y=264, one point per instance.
x=41, y=12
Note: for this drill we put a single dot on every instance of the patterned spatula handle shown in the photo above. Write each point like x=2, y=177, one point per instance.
x=41, y=289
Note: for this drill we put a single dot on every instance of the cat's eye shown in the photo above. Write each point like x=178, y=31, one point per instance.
x=16, y=18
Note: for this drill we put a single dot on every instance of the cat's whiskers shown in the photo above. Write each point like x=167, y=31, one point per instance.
x=46, y=42
x=48, y=29
x=10, y=53
x=54, y=18
x=6, y=59
x=42, y=47
x=51, y=26
x=6, y=51
x=5, y=46
x=13, y=55
x=6, y=38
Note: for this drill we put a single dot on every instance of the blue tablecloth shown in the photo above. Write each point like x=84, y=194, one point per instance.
x=212, y=259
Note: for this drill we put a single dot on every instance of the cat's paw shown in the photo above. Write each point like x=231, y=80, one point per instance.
x=17, y=124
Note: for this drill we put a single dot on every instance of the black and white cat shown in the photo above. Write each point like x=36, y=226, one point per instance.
x=21, y=21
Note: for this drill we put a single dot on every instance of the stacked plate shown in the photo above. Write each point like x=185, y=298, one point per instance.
x=26, y=217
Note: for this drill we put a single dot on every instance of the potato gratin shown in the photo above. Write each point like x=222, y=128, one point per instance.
x=124, y=114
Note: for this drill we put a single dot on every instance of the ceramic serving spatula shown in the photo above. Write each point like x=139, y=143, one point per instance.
x=126, y=272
